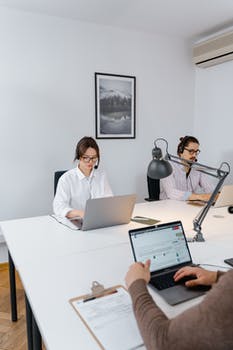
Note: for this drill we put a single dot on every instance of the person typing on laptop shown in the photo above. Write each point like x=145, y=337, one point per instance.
x=85, y=181
x=206, y=326
x=184, y=183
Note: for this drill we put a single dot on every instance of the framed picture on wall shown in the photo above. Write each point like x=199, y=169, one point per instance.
x=115, y=106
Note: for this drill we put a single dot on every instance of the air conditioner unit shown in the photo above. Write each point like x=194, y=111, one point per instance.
x=214, y=51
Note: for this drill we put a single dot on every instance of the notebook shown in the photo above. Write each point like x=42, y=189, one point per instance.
x=106, y=211
x=225, y=198
x=166, y=246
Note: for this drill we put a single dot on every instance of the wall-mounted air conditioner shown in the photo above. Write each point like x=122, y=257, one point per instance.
x=214, y=51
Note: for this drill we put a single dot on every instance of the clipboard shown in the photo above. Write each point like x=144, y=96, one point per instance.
x=108, y=316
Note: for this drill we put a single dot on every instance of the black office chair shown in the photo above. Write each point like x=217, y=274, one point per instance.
x=153, y=189
x=57, y=176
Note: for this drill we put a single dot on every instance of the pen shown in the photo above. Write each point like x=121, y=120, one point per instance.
x=140, y=218
x=89, y=299
x=101, y=295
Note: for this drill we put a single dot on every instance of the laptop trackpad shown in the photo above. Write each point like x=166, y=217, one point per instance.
x=180, y=293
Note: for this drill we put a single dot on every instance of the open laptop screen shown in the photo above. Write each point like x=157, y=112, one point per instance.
x=165, y=245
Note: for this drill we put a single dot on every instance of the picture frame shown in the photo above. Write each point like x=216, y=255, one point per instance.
x=115, y=106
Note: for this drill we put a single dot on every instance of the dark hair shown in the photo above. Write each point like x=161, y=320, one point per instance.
x=184, y=142
x=83, y=145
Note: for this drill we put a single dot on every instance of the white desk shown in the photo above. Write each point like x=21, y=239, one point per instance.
x=71, y=276
x=43, y=236
x=56, y=263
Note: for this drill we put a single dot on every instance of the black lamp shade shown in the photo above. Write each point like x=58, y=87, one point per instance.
x=159, y=168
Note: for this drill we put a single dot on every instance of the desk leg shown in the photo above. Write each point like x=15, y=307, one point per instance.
x=29, y=323
x=33, y=333
x=37, y=342
x=14, y=316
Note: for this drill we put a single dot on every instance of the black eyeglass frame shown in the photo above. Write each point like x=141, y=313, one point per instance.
x=88, y=159
x=192, y=151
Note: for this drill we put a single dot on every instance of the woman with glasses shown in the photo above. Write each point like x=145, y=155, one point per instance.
x=186, y=183
x=85, y=181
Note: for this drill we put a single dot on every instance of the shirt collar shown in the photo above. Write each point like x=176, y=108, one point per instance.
x=81, y=176
x=179, y=167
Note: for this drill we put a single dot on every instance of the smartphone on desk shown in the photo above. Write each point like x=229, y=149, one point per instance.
x=229, y=261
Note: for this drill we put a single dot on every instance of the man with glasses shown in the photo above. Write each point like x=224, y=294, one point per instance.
x=186, y=183
x=85, y=181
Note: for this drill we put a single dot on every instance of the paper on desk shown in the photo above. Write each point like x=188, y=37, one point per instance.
x=111, y=320
x=65, y=221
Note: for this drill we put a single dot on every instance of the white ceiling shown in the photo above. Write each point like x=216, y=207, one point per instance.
x=191, y=19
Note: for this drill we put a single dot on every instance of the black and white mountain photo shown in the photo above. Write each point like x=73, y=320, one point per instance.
x=115, y=107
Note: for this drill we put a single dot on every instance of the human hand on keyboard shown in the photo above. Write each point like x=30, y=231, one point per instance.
x=198, y=276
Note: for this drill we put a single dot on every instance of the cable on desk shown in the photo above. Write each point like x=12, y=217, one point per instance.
x=221, y=267
x=63, y=223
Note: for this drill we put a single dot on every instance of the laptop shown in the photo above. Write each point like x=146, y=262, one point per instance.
x=225, y=198
x=106, y=211
x=166, y=246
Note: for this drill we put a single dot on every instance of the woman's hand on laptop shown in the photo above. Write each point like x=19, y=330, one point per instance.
x=138, y=271
x=72, y=214
x=200, y=276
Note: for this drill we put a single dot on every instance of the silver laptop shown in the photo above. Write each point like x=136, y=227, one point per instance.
x=166, y=246
x=224, y=199
x=107, y=211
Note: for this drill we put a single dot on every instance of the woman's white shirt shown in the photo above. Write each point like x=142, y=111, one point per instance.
x=74, y=189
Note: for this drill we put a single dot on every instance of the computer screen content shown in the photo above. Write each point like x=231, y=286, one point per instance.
x=164, y=246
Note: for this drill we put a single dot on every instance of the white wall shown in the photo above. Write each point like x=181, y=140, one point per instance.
x=47, y=67
x=214, y=114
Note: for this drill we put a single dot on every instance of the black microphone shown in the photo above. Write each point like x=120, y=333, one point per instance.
x=191, y=164
x=230, y=209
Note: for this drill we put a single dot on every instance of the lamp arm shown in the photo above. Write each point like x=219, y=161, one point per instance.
x=199, y=167
x=161, y=139
x=218, y=173
x=202, y=214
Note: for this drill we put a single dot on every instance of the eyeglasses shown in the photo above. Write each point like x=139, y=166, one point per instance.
x=88, y=159
x=192, y=151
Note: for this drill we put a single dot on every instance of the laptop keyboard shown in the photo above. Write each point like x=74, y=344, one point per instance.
x=163, y=281
x=166, y=281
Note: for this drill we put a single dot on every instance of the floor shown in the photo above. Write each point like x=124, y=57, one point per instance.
x=12, y=334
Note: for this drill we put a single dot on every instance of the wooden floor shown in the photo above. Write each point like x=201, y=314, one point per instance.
x=12, y=334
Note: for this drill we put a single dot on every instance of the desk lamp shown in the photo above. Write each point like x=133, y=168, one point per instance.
x=160, y=167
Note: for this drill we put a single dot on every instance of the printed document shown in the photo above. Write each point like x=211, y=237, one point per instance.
x=111, y=320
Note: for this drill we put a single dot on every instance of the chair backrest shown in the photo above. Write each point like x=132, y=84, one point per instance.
x=57, y=176
x=153, y=189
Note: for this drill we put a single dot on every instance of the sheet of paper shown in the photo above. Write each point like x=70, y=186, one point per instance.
x=65, y=221
x=112, y=320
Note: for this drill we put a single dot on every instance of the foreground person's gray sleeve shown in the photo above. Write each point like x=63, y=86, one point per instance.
x=207, y=326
